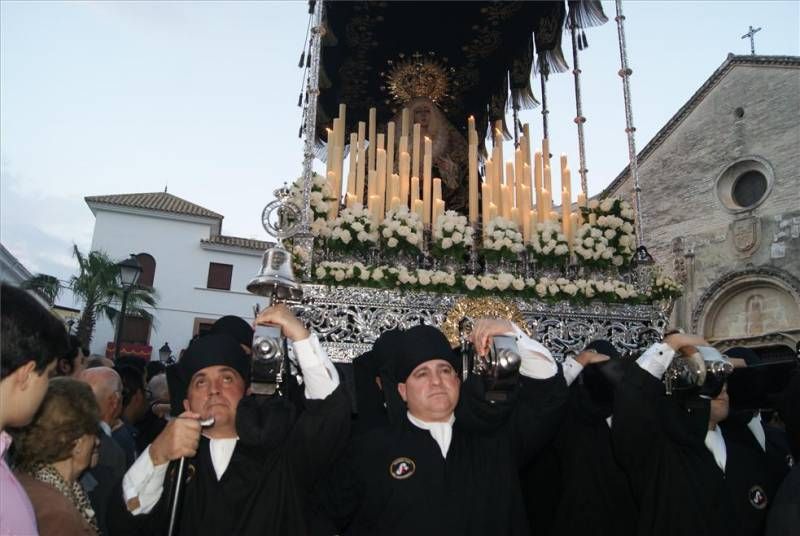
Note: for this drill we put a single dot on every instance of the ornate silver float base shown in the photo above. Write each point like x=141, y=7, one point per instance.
x=349, y=319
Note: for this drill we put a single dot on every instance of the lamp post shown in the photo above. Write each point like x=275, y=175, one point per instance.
x=164, y=353
x=129, y=271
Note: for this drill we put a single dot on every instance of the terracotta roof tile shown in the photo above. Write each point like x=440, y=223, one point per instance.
x=160, y=201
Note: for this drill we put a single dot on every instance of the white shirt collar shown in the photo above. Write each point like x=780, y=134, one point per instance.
x=106, y=428
x=442, y=432
x=221, y=451
x=716, y=445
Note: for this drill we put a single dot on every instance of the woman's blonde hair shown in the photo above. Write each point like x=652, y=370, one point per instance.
x=69, y=411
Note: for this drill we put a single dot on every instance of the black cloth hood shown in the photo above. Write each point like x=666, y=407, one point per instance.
x=418, y=345
x=214, y=349
x=236, y=327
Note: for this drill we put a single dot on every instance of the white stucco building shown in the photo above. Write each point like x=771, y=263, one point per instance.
x=198, y=273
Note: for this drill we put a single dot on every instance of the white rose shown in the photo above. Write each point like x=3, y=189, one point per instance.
x=588, y=242
x=471, y=282
x=362, y=236
x=610, y=233
x=518, y=283
x=449, y=226
x=617, y=260
x=553, y=289
x=498, y=235
x=607, y=205
x=338, y=275
x=561, y=249
x=412, y=239
x=357, y=226
x=487, y=282
x=424, y=277
x=607, y=253
x=392, y=242
x=349, y=218
x=571, y=289
x=447, y=243
x=589, y=292
x=320, y=272
x=457, y=237
x=541, y=290
x=627, y=228
x=346, y=237
x=502, y=283
x=593, y=204
x=377, y=274
x=403, y=230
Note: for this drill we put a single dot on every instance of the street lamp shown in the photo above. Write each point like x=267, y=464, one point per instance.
x=164, y=353
x=129, y=271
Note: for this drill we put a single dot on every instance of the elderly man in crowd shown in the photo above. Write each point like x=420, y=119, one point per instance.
x=251, y=478
x=31, y=338
x=428, y=473
x=100, y=480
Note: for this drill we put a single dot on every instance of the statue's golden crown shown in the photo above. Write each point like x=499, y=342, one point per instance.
x=417, y=76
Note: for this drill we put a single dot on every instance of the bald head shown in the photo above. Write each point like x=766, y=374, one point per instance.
x=159, y=389
x=107, y=388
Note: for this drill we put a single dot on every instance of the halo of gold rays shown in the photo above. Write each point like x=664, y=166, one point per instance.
x=484, y=307
x=417, y=76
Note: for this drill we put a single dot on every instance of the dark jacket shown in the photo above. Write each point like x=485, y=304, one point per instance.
x=660, y=442
x=264, y=490
x=473, y=491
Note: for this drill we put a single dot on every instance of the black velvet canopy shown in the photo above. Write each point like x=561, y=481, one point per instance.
x=487, y=49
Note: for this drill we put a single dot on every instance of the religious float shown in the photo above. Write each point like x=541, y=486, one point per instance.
x=421, y=216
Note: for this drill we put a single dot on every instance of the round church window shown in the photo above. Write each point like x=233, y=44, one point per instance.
x=744, y=184
x=749, y=188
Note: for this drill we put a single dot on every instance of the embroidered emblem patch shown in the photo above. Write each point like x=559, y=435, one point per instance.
x=758, y=498
x=402, y=468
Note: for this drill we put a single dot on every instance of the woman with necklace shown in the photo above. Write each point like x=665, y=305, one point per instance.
x=53, y=451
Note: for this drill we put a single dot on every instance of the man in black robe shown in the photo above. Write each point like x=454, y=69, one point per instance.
x=587, y=491
x=427, y=474
x=244, y=476
x=661, y=442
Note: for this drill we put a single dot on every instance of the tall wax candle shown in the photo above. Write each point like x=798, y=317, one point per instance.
x=473, y=182
x=390, y=148
x=416, y=151
x=372, y=145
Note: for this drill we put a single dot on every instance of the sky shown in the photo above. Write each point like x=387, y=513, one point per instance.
x=200, y=97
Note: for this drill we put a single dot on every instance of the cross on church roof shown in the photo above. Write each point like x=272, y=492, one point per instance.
x=752, y=34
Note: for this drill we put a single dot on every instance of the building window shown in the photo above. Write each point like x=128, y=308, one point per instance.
x=745, y=184
x=219, y=276
x=148, y=264
x=136, y=330
x=202, y=326
x=749, y=188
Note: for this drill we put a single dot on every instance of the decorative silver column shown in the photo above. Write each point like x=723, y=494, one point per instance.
x=304, y=240
x=545, y=111
x=625, y=73
x=579, y=117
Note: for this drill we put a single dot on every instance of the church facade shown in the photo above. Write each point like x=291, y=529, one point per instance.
x=720, y=194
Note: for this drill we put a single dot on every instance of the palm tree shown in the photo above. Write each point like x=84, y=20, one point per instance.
x=45, y=285
x=98, y=286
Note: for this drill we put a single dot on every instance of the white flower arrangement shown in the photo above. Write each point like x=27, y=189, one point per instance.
x=665, y=287
x=321, y=195
x=353, y=231
x=401, y=230
x=543, y=288
x=610, y=241
x=452, y=235
x=548, y=244
x=502, y=240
